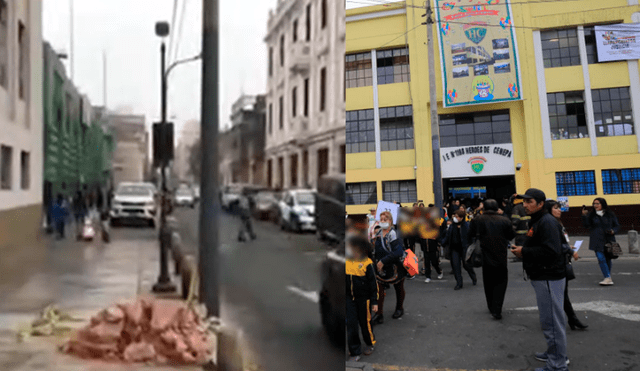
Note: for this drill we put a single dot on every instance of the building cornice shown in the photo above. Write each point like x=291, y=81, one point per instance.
x=376, y=12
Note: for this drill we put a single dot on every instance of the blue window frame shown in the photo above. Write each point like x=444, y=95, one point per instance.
x=620, y=181
x=576, y=183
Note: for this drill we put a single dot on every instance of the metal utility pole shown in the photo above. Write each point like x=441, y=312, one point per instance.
x=210, y=205
x=433, y=105
x=164, y=283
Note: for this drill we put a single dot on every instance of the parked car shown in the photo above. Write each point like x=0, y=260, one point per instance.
x=330, y=202
x=196, y=193
x=185, y=197
x=230, y=194
x=266, y=205
x=297, y=210
x=133, y=201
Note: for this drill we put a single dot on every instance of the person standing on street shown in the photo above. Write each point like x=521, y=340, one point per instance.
x=59, y=214
x=602, y=224
x=495, y=232
x=388, y=251
x=80, y=211
x=362, y=296
x=544, y=262
x=553, y=208
x=246, y=225
x=429, y=247
x=520, y=222
x=456, y=238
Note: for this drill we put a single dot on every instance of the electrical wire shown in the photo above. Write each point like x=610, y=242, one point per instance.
x=173, y=22
x=180, y=28
x=382, y=2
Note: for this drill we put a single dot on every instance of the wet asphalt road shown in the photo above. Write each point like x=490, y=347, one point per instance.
x=270, y=288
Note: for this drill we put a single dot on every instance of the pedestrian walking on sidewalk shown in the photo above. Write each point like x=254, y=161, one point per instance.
x=544, y=262
x=362, y=296
x=602, y=224
x=553, y=208
x=519, y=221
x=388, y=251
x=79, y=211
x=246, y=224
x=495, y=232
x=59, y=213
x=429, y=247
x=456, y=238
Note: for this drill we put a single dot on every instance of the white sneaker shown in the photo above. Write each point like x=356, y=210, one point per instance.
x=607, y=282
x=441, y=275
x=427, y=280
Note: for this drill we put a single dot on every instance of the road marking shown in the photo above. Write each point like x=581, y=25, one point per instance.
x=607, y=308
x=377, y=367
x=309, y=295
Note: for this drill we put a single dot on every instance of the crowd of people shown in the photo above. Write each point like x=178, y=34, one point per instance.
x=527, y=225
x=76, y=209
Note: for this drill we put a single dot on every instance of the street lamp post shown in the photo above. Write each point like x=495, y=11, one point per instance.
x=164, y=283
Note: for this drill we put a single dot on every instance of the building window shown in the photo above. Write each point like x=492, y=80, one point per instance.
x=23, y=61
x=306, y=97
x=323, y=88
x=280, y=172
x=270, y=173
x=360, y=131
x=576, y=183
x=560, y=48
x=281, y=50
x=270, y=61
x=6, y=160
x=619, y=181
x=343, y=159
x=308, y=21
x=294, y=170
x=590, y=43
x=324, y=14
x=567, y=115
x=270, y=118
x=403, y=191
x=393, y=66
x=294, y=101
x=612, y=112
x=295, y=30
x=4, y=48
x=477, y=128
x=396, y=128
x=323, y=162
x=281, y=118
x=305, y=167
x=358, y=70
x=362, y=193
x=25, y=170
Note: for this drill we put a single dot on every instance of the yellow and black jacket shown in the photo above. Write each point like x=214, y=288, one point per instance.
x=361, y=280
x=520, y=221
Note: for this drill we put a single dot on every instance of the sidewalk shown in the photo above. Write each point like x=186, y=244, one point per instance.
x=80, y=278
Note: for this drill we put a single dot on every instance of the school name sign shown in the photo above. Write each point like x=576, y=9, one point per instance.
x=472, y=161
x=478, y=52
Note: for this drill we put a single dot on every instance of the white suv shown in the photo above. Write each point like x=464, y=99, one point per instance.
x=134, y=201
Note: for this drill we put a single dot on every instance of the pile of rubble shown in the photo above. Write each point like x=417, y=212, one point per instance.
x=147, y=330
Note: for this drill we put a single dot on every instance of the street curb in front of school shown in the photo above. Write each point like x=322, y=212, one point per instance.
x=358, y=366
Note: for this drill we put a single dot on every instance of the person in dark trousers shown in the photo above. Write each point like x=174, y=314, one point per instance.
x=362, y=296
x=80, y=211
x=495, y=232
x=246, y=226
x=388, y=251
x=520, y=221
x=553, y=208
x=429, y=248
x=602, y=224
x=456, y=238
x=544, y=262
x=59, y=215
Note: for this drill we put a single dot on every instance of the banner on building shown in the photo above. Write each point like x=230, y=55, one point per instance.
x=473, y=161
x=618, y=42
x=478, y=53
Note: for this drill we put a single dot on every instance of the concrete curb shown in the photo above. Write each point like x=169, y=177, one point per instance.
x=358, y=366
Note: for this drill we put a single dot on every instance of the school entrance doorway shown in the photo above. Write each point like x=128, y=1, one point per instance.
x=494, y=187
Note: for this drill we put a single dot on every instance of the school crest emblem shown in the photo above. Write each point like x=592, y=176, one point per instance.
x=477, y=164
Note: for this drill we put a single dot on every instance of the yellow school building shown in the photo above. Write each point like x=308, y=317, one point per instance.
x=568, y=123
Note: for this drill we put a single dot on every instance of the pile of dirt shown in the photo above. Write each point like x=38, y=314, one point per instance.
x=147, y=330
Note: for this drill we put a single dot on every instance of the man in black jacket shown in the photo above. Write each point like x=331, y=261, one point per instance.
x=544, y=263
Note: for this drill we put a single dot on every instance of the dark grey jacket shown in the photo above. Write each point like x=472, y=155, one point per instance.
x=598, y=226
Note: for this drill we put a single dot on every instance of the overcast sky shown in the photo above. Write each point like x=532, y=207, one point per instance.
x=125, y=30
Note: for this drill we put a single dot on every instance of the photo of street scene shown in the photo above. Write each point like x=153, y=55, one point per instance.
x=481, y=69
x=458, y=48
x=459, y=59
x=500, y=43
x=502, y=68
x=460, y=72
x=501, y=54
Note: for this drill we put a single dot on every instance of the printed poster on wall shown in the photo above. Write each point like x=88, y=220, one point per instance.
x=618, y=42
x=478, y=52
x=387, y=206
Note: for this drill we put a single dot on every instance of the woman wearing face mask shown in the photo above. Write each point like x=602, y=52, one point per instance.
x=602, y=225
x=388, y=251
x=553, y=207
x=458, y=242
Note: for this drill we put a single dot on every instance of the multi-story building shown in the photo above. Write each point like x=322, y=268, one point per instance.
x=573, y=130
x=189, y=136
x=131, y=156
x=248, y=123
x=305, y=136
x=21, y=132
